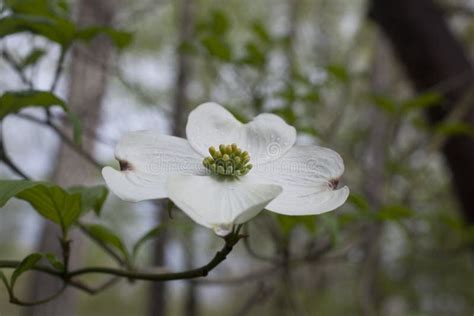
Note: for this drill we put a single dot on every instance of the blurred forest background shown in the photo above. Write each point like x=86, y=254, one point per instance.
x=386, y=83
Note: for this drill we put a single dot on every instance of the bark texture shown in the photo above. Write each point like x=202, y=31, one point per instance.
x=434, y=58
x=86, y=90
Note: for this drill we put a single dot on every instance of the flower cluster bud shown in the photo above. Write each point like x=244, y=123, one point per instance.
x=228, y=160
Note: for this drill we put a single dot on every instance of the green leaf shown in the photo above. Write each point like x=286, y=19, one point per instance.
x=455, y=128
x=76, y=127
x=14, y=101
x=108, y=237
x=92, y=198
x=359, y=201
x=53, y=203
x=331, y=222
x=422, y=101
x=217, y=47
x=310, y=130
x=54, y=262
x=146, y=237
x=219, y=23
x=32, y=58
x=311, y=97
x=289, y=223
x=384, y=103
x=238, y=114
x=287, y=113
x=10, y=188
x=394, y=213
x=50, y=201
x=56, y=29
x=121, y=39
x=338, y=72
x=254, y=55
x=261, y=32
x=49, y=8
x=27, y=264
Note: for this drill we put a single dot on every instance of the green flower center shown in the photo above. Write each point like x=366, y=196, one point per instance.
x=228, y=160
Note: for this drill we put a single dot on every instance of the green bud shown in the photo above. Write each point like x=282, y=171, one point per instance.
x=212, y=151
x=221, y=170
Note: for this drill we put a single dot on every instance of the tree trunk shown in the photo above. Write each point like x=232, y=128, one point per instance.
x=434, y=59
x=157, y=299
x=86, y=90
x=374, y=165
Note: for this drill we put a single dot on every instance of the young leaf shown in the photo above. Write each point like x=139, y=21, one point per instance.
x=149, y=235
x=422, y=101
x=14, y=101
x=27, y=264
x=55, y=262
x=32, y=58
x=108, y=237
x=92, y=198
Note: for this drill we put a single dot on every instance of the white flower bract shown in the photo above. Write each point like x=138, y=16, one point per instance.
x=285, y=178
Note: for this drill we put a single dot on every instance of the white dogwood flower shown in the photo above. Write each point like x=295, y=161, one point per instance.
x=226, y=172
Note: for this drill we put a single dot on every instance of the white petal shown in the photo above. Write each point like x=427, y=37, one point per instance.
x=218, y=203
x=266, y=138
x=309, y=176
x=147, y=159
x=308, y=202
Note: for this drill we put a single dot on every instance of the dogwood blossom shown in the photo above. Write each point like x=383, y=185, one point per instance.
x=226, y=172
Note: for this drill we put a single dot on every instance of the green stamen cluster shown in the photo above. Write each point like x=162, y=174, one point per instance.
x=228, y=160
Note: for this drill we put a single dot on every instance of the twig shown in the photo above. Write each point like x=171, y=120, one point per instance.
x=230, y=241
x=59, y=69
x=12, y=62
x=238, y=280
x=63, y=137
x=16, y=301
x=203, y=271
x=91, y=291
x=6, y=159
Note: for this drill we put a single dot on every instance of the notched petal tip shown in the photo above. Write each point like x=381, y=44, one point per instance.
x=333, y=183
x=125, y=165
